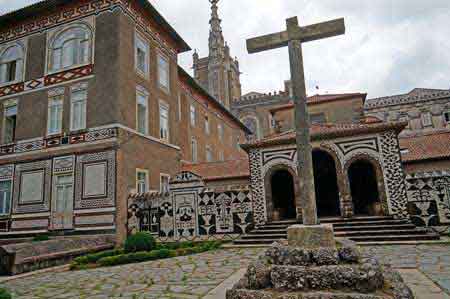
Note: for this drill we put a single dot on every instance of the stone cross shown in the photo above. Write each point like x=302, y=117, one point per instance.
x=293, y=37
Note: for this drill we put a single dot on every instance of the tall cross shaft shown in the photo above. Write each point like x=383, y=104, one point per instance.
x=293, y=37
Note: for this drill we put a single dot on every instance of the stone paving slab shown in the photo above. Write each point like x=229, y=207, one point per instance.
x=422, y=286
x=197, y=275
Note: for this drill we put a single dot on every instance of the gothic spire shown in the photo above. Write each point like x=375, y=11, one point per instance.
x=216, y=40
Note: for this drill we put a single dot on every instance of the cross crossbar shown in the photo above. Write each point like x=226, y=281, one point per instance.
x=303, y=34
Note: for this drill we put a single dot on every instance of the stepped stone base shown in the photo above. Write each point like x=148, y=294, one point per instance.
x=289, y=272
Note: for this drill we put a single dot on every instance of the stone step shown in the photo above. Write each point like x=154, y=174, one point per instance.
x=347, y=234
x=374, y=227
x=371, y=223
x=265, y=236
x=256, y=241
x=385, y=238
x=336, y=220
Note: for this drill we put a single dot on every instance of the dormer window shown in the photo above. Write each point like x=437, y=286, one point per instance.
x=11, y=64
x=71, y=48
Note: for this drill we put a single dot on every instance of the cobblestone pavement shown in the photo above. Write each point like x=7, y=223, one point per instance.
x=194, y=276
x=182, y=277
x=431, y=260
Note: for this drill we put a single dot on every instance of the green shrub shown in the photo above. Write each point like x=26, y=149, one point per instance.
x=40, y=238
x=139, y=242
x=4, y=294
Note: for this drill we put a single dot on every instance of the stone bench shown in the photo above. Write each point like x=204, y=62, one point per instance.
x=32, y=256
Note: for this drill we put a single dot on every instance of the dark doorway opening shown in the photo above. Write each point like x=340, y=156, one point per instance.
x=326, y=186
x=283, y=195
x=364, y=187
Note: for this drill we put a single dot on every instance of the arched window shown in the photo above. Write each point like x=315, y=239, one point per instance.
x=71, y=47
x=11, y=64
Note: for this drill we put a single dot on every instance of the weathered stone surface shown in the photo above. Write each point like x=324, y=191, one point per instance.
x=325, y=256
x=314, y=236
x=252, y=294
x=258, y=275
x=349, y=254
x=362, y=278
x=289, y=278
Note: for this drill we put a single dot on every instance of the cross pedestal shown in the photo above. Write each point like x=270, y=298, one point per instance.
x=311, y=236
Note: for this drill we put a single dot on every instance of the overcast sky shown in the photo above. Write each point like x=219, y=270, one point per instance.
x=391, y=46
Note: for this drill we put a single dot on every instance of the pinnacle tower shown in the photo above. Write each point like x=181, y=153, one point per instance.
x=219, y=72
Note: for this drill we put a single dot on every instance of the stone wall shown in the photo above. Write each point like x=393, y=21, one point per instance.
x=191, y=212
x=429, y=198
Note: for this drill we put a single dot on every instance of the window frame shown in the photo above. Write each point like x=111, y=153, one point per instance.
x=209, y=154
x=50, y=69
x=79, y=88
x=426, y=116
x=194, y=150
x=446, y=115
x=140, y=91
x=161, y=176
x=51, y=104
x=10, y=197
x=8, y=105
x=220, y=132
x=207, y=125
x=138, y=37
x=164, y=105
x=160, y=56
x=146, y=179
x=19, y=75
x=193, y=115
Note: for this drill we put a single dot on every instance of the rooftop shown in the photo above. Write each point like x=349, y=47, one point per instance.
x=414, y=96
x=325, y=98
x=231, y=169
x=430, y=146
x=327, y=131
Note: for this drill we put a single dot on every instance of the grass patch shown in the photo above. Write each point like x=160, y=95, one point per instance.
x=40, y=238
x=4, y=294
x=161, y=251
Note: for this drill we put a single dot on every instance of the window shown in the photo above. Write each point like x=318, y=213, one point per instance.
x=5, y=197
x=194, y=150
x=164, y=183
x=163, y=72
x=426, y=119
x=318, y=118
x=220, y=131
x=72, y=47
x=142, y=181
x=447, y=117
x=142, y=54
x=163, y=121
x=221, y=156
x=142, y=112
x=55, y=115
x=193, y=115
x=31, y=187
x=207, y=130
x=11, y=64
x=10, y=122
x=78, y=108
x=209, y=154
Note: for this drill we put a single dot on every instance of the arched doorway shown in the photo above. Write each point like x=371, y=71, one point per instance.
x=326, y=186
x=364, y=188
x=281, y=195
